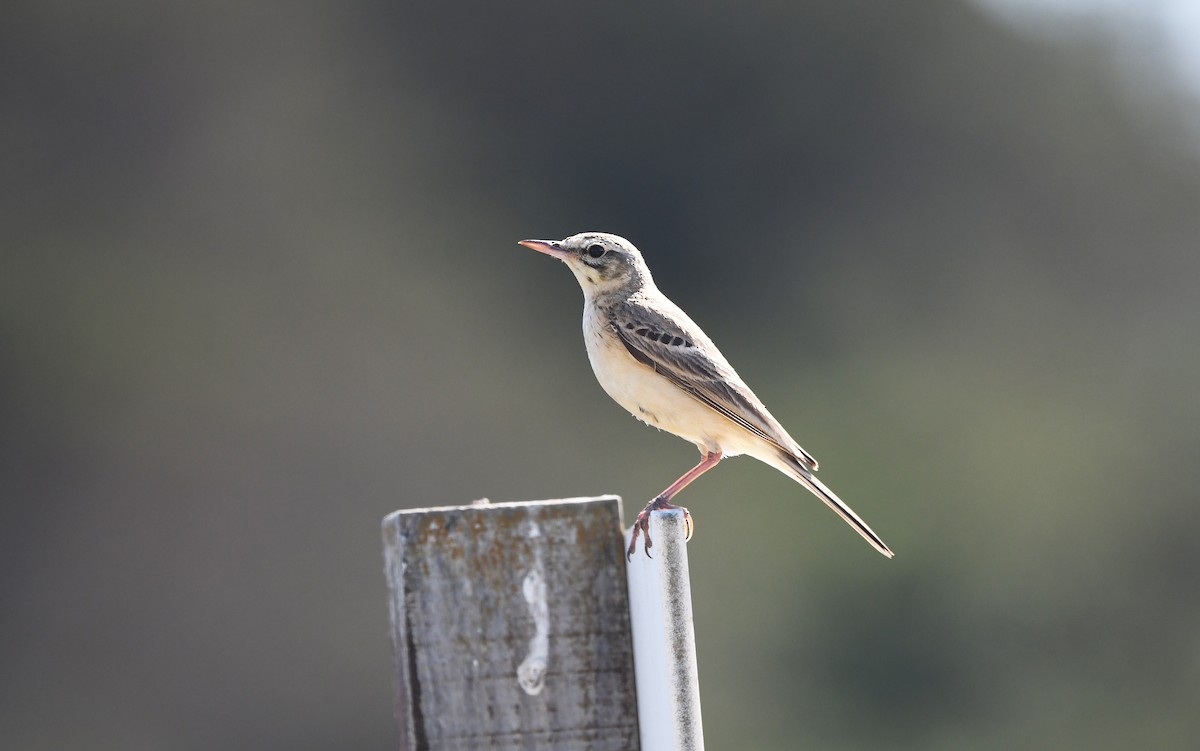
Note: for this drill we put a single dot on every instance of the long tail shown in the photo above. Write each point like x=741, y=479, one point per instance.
x=792, y=467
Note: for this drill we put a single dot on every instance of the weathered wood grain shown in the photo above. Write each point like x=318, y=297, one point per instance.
x=510, y=627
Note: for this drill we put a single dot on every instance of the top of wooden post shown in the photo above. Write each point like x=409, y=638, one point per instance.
x=510, y=626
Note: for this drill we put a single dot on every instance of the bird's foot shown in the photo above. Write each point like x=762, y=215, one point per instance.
x=641, y=525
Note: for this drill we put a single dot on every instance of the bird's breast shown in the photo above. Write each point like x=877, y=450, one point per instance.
x=646, y=394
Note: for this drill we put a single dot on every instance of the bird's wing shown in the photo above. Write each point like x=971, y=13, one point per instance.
x=677, y=349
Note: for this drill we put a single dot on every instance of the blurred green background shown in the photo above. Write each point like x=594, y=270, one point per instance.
x=259, y=286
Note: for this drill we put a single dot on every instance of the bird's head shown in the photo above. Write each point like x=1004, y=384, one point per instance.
x=601, y=262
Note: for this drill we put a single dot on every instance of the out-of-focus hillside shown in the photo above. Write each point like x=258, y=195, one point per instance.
x=259, y=286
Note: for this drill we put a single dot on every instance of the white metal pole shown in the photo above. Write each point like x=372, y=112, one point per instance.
x=664, y=645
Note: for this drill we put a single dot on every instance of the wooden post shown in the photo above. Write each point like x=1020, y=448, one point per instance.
x=664, y=643
x=510, y=627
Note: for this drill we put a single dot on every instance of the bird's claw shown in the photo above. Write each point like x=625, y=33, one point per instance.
x=641, y=526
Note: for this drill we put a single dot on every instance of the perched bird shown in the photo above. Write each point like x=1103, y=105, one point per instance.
x=655, y=362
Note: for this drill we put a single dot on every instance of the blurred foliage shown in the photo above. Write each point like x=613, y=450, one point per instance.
x=259, y=287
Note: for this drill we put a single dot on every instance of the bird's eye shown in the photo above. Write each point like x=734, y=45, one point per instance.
x=595, y=251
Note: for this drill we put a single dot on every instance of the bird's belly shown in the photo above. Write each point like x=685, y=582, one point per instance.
x=653, y=399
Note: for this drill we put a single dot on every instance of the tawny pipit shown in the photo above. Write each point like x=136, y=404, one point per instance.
x=655, y=362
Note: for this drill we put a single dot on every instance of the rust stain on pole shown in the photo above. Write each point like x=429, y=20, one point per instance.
x=510, y=626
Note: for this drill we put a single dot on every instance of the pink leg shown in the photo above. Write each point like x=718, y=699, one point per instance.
x=663, y=501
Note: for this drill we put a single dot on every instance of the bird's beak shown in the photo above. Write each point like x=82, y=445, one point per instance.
x=549, y=247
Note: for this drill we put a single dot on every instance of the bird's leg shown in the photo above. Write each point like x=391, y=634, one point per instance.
x=641, y=525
